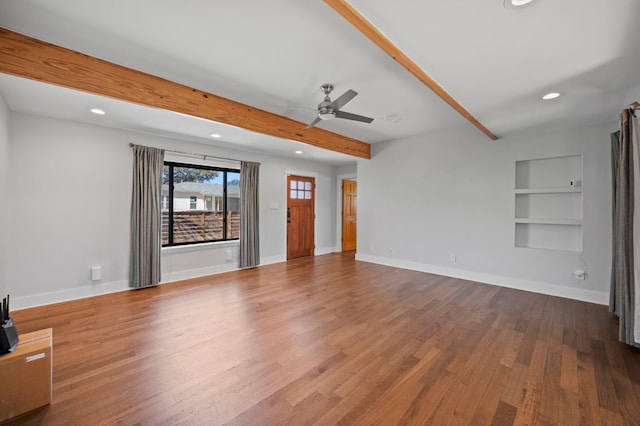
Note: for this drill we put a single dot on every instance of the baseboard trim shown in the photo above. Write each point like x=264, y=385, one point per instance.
x=272, y=259
x=170, y=277
x=502, y=281
x=324, y=250
x=283, y=258
x=66, y=295
x=48, y=298
x=99, y=289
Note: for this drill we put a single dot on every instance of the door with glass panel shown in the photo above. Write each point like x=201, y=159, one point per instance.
x=300, y=216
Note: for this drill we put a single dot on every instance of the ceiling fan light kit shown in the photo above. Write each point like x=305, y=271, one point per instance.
x=326, y=115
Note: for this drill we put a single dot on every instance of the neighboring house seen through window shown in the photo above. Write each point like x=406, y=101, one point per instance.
x=202, y=204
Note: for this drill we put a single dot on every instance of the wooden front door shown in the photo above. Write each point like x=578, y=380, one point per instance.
x=349, y=214
x=300, y=216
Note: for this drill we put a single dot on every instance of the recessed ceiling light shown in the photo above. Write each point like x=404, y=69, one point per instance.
x=298, y=152
x=551, y=95
x=393, y=118
x=97, y=111
x=516, y=3
x=216, y=135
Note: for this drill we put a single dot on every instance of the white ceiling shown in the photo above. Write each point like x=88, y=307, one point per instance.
x=274, y=55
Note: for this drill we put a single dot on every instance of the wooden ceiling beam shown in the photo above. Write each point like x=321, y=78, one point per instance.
x=348, y=12
x=34, y=59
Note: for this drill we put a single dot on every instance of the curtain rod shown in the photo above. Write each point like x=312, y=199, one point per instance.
x=203, y=156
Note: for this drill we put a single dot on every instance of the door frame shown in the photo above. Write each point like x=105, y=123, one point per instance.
x=314, y=175
x=339, y=179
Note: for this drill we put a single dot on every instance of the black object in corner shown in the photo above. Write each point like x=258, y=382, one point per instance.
x=8, y=330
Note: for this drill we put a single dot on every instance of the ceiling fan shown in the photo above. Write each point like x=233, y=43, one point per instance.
x=328, y=109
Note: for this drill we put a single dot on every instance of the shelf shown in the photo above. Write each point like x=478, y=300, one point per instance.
x=549, y=221
x=548, y=203
x=565, y=250
x=553, y=190
x=547, y=236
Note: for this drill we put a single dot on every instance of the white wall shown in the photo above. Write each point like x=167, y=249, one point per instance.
x=4, y=188
x=422, y=199
x=347, y=169
x=69, y=204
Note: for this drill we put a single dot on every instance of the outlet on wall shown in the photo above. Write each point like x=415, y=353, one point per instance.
x=453, y=258
x=579, y=274
x=96, y=273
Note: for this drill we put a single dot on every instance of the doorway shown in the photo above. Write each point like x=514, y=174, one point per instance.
x=300, y=216
x=349, y=214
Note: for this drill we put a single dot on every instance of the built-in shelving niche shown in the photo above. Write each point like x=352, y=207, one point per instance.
x=548, y=203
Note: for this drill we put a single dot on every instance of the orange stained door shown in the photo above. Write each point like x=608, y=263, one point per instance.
x=349, y=214
x=300, y=216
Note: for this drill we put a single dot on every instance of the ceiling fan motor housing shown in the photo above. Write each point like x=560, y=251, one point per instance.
x=326, y=89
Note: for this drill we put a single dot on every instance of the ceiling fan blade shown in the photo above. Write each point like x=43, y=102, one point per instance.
x=313, y=123
x=354, y=117
x=343, y=99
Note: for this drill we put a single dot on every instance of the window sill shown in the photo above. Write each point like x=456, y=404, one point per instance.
x=200, y=247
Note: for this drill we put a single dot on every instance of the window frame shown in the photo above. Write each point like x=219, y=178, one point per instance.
x=171, y=201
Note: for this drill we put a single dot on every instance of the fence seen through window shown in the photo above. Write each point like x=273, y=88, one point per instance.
x=199, y=204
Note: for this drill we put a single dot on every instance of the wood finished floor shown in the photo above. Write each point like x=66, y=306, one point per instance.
x=329, y=340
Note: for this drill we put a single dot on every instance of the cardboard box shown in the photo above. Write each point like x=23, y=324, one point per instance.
x=25, y=375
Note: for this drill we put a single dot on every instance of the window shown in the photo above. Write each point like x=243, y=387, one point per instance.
x=202, y=204
x=300, y=190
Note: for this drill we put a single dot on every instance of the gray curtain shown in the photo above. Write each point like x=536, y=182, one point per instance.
x=144, y=264
x=624, y=167
x=249, y=230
